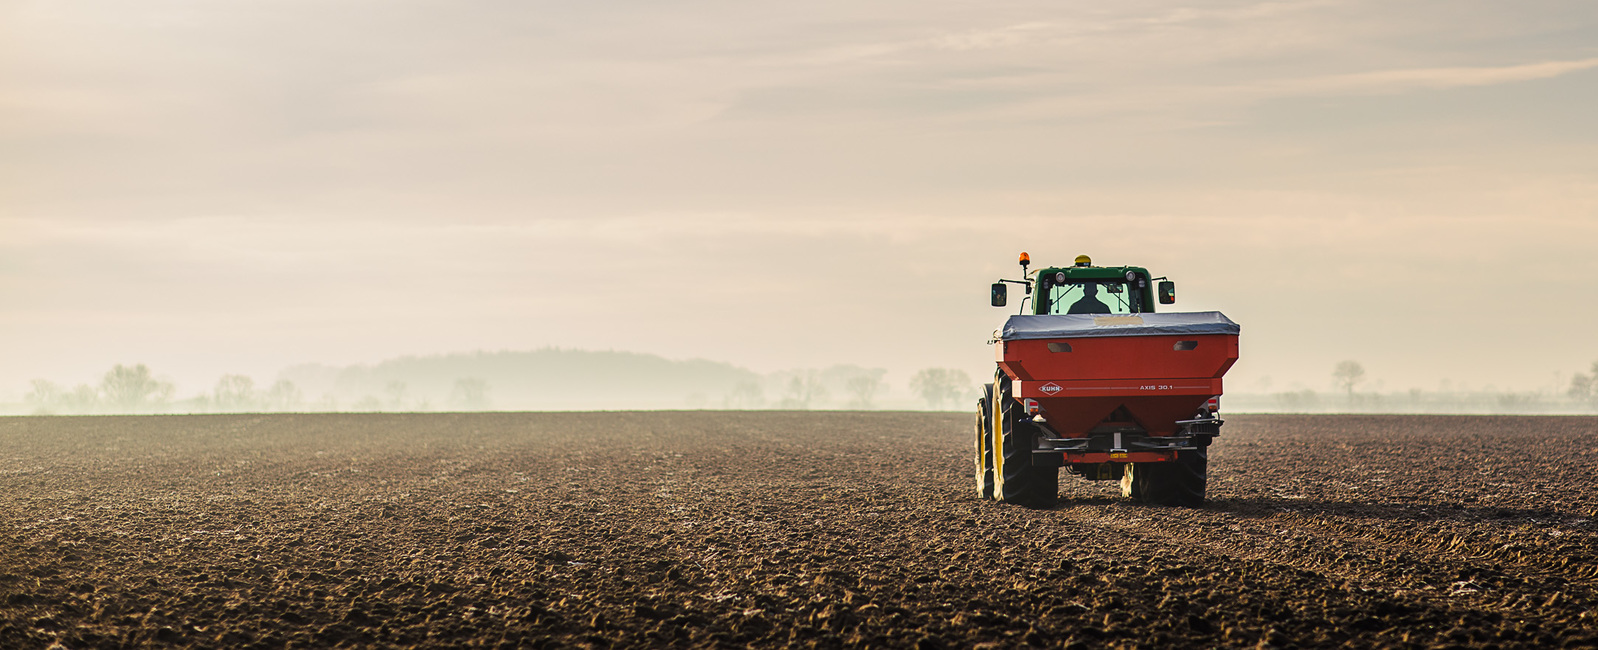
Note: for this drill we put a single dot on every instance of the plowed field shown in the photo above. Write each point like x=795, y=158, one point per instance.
x=763, y=528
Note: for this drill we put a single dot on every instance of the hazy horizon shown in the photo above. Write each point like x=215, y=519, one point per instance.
x=555, y=379
x=236, y=189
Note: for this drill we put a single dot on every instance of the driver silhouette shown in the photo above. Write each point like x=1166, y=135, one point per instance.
x=1088, y=304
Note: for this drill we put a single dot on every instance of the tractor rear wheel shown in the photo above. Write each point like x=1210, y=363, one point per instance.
x=984, y=444
x=1016, y=479
x=1181, y=482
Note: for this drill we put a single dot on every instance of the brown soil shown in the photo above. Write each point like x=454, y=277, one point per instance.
x=751, y=528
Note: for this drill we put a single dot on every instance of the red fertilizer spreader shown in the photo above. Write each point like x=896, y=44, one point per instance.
x=1103, y=387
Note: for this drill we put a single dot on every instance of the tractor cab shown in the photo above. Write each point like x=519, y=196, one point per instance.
x=1086, y=289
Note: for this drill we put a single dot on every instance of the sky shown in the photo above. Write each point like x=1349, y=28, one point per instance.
x=235, y=187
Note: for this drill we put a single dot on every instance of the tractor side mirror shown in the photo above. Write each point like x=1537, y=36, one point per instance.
x=1167, y=292
x=1001, y=294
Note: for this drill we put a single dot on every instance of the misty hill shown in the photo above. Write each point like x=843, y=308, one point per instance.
x=546, y=379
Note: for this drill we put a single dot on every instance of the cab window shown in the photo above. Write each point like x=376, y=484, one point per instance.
x=1093, y=297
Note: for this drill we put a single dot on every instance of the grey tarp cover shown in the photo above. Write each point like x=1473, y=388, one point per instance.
x=1073, y=326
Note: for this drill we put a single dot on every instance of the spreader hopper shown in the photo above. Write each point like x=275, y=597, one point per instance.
x=1149, y=371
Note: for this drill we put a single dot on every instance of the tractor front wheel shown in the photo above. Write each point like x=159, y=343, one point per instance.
x=984, y=444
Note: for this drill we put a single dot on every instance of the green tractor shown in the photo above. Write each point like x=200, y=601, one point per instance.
x=1092, y=381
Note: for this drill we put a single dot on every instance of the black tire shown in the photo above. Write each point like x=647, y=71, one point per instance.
x=1181, y=482
x=1016, y=480
x=984, y=444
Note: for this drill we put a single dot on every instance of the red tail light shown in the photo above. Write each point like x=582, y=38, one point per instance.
x=1214, y=405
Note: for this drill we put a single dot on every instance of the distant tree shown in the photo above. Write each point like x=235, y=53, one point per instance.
x=395, y=390
x=804, y=389
x=202, y=403
x=1303, y=401
x=1347, y=374
x=368, y=404
x=1516, y=402
x=469, y=394
x=1584, y=388
x=131, y=389
x=283, y=396
x=1580, y=387
x=940, y=385
x=327, y=403
x=863, y=390
x=83, y=399
x=846, y=380
x=46, y=397
x=234, y=393
x=745, y=395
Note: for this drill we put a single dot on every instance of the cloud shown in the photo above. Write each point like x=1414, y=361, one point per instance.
x=1401, y=80
x=1165, y=104
x=988, y=39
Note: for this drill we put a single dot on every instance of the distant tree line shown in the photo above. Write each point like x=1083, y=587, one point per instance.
x=1347, y=376
x=134, y=389
x=123, y=389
